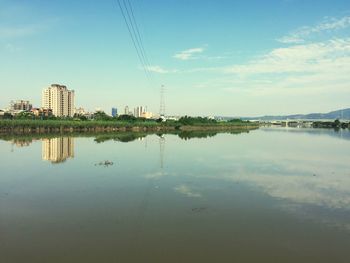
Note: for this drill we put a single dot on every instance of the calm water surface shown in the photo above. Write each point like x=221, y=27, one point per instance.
x=271, y=195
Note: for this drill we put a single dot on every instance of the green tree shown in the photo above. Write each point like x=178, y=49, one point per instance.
x=7, y=116
x=101, y=116
x=25, y=115
x=186, y=120
x=126, y=117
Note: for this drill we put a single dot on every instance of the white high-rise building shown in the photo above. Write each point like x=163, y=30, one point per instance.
x=59, y=99
x=138, y=111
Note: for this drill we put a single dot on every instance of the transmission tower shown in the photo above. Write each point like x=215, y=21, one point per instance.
x=162, y=102
x=161, y=152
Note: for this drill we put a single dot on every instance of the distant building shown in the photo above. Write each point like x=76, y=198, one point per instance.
x=146, y=115
x=42, y=112
x=114, y=112
x=141, y=112
x=59, y=99
x=126, y=110
x=20, y=105
x=79, y=111
x=138, y=111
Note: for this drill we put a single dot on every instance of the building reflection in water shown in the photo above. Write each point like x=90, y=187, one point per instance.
x=21, y=142
x=58, y=150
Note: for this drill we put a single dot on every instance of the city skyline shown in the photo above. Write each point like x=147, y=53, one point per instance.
x=58, y=100
x=280, y=57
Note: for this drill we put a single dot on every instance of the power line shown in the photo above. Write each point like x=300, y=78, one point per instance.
x=133, y=27
x=134, y=32
x=138, y=37
x=138, y=34
x=133, y=37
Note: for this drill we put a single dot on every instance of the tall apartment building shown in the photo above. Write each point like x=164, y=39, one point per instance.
x=59, y=99
x=138, y=111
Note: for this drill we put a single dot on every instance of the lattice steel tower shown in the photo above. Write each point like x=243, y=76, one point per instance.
x=162, y=101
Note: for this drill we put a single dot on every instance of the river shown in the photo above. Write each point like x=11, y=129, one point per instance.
x=268, y=195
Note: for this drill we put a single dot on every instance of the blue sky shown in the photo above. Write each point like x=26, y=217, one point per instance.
x=235, y=58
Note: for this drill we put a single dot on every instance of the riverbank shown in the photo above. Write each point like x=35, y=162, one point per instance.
x=63, y=126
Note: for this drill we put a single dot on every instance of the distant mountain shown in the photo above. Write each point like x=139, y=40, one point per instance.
x=338, y=114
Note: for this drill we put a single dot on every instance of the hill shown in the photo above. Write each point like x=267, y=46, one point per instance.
x=343, y=114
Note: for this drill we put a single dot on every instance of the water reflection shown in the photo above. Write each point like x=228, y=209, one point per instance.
x=119, y=137
x=21, y=142
x=58, y=150
x=184, y=135
x=187, y=191
x=161, y=152
x=269, y=190
x=187, y=135
x=336, y=133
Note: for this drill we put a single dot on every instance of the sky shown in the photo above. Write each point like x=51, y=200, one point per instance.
x=214, y=57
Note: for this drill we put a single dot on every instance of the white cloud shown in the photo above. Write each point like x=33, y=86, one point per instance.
x=160, y=70
x=317, y=69
x=189, y=53
x=299, y=69
x=309, y=58
x=12, y=48
x=19, y=31
x=207, y=69
x=291, y=39
x=330, y=24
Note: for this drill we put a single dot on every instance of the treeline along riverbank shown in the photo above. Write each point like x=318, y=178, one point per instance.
x=25, y=126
